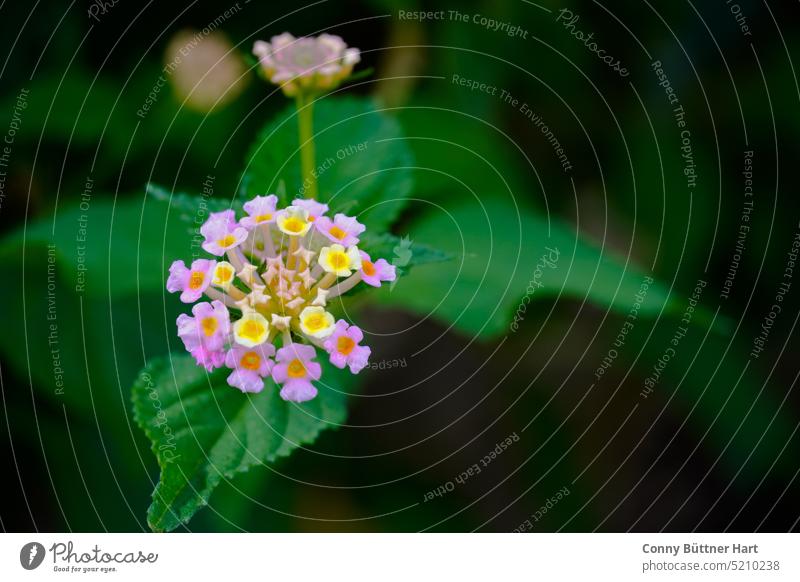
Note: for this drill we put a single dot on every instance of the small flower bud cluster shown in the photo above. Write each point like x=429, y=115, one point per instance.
x=306, y=64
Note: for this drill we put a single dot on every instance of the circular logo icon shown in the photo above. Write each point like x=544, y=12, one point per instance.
x=31, y=555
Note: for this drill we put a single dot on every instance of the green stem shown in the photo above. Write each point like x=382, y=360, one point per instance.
x=305, y=121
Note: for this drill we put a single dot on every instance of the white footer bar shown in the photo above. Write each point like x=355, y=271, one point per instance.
x=381, y=557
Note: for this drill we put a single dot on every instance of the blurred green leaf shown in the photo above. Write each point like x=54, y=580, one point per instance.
x=203, y=431
x=363, y=163
x=73, y=334
x=458, y=151
x=118, y=246
x=497, y=247
x=187, y=204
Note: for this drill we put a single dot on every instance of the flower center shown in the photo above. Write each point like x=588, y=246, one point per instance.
x=337, y=233
x=209, y=325
x=339, y=260
x=263, y=217
x=345, y=345
x=368, y=268
x=226, y=241
x=315, y=321
x=296, y=369
x=251, y=361
x=252, y=330
x=196, y=280
x=224, y=274
x=294, y=225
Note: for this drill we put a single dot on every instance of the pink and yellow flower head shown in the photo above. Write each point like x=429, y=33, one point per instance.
x=374, y=273
x=269, y=309
x=260, y=210
x=342, y=345
x=223, y=275
x=294, y=370
x=339, y=261
x=205, y=334
x=343, y=230
x=221, y=234
x=309, y=64
x=315, y=322
x=251, y=330
x=191, y=282
x=250, y=366
x=293, y=221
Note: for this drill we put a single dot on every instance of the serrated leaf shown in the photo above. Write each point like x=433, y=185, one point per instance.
x=203, y=431
x=363, y=162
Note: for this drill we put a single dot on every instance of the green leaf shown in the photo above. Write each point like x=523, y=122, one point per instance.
x=203, y=431
x=363, y=161
x=190, y=208
x=401, y=251
x=459, y=152
x=116, y=247
x=497, y=246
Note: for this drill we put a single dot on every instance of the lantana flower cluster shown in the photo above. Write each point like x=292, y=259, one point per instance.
x=274, y=275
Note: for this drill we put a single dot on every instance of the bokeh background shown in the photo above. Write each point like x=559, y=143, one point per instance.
x=712, y=447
